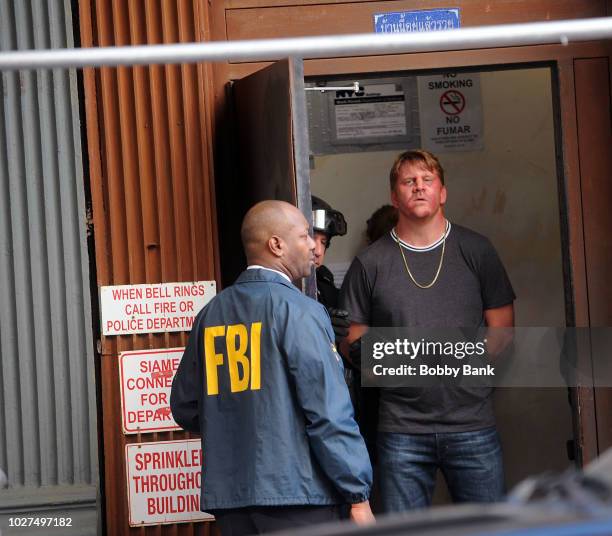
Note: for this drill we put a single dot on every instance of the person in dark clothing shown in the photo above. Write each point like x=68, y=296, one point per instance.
x=429, y=273
x=381, y=222
x=327, y=223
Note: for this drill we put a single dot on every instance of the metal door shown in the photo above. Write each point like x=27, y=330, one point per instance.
x=272, y=140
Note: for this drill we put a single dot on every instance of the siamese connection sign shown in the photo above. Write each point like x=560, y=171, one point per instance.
x=162, y=307
x=164, y=479
x=146, y=380
x=450, y=112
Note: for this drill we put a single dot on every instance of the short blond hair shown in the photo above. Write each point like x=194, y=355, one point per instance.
x=417, y=156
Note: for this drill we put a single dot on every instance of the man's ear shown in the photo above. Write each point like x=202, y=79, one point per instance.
x=276, y=245
x=443, y=196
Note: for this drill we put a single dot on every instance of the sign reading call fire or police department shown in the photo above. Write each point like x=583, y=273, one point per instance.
x=146, y=378
x=431, y=20
x=161, y=307
x=164, y=479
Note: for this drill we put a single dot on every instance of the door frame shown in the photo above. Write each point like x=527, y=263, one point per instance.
x=564, y=57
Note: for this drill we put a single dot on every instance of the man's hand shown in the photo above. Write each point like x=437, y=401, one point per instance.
x=361, y=514
x=356, y=331
x=340, y=322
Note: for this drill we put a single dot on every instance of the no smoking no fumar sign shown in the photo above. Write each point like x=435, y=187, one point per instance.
x=452, y=102
x=450, y=112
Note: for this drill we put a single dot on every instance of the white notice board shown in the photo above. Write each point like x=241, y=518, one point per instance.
x=378, y=110
x=164, y=479
x=161, y=307
x=450, y=111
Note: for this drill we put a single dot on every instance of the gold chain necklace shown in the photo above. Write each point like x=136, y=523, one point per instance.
x=439, y=265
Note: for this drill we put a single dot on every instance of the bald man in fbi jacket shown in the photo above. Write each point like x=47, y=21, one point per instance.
x=262, y=383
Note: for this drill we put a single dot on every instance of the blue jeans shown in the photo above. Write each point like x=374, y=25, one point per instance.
x=471, y=463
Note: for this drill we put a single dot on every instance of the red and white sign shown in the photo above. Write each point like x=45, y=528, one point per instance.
x=146, y=379
x=164, y=479
x=162, y=307
x=452, y=102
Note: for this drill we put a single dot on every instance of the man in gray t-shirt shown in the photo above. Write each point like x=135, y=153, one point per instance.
x=431, y=274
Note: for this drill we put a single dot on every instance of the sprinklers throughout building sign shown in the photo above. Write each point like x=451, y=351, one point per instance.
x=164, y=479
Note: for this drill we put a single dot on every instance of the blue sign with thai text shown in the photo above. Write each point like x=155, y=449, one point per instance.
x=431, y=20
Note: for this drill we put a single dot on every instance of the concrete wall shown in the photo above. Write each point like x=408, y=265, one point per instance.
x=48, y=420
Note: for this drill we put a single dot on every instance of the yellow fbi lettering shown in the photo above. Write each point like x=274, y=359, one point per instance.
x=236, y=340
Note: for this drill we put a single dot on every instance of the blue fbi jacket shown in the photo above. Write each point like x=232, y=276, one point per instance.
x=262, y=382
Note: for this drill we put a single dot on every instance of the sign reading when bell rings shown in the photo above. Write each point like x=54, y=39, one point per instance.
x=130, y=309
x=164, y=479
x=450, y=112
x=146, y=379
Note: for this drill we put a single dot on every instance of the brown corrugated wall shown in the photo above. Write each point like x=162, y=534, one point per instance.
x=150, y=170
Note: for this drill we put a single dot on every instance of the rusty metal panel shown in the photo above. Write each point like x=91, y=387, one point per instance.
x=47, y=378
x=150, y=167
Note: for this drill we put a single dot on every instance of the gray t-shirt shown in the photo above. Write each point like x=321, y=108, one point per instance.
x=377, y=291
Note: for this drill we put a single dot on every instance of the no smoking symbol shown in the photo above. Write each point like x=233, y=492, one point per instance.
x=452, y=102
